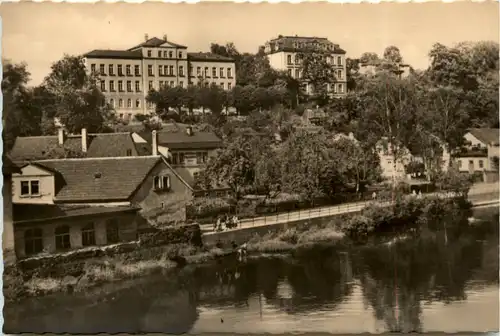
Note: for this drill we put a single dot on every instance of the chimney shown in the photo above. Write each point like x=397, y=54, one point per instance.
x=146, y=37
x=189, y=130
x=84, y=140
x=61, y=136
x=165, y=37
x=154, y=143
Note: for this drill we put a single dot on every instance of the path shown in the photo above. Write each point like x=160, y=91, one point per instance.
x=328, y=211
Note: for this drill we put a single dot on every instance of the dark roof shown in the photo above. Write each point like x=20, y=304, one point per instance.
x=181, y=140
x=208, y=57
x=122, y=54
x=44, y=212
x=156, y=42
x=488, y=136
x=287, y=43
x=99, y=179
x=9, y=167
x=98, y=145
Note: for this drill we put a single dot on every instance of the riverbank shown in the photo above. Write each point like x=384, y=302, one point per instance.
x=338, y=231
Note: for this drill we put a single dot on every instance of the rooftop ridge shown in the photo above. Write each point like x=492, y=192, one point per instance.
x=101, y=158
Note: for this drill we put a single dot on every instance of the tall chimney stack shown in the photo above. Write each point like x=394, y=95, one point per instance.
x=165, y=37
x=84, y=140
x=146, y=37
x=61, y=136
x=154, y=143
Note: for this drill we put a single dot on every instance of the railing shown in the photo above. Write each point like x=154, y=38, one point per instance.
x=312, y=213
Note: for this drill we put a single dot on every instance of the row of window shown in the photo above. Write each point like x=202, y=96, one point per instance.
x=137, y=103
x=162, y=183
x=164, y=54
x=30, y=188
x=471, y=164
x=298, y=73
x=329, y=59
x=189, y=158
x=163, y=70
x=33, y=238
x=112, y=87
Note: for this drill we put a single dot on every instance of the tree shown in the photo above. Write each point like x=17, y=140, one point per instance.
x=167, y=98
x=317, y=70
x=78, y=101
x=393, y=55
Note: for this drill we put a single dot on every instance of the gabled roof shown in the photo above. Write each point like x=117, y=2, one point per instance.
x=121, y=54
x=8, y=167
x=181, y=140
x=488, y=136
x=156, y=42
x=98, y=145
x=208, y=57
x=99, y=179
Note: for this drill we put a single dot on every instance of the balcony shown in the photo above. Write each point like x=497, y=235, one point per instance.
x=472, y=152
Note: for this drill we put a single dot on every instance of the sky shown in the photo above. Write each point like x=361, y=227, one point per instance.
x=41, y=33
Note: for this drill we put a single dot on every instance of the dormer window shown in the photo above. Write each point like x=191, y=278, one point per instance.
x=162, y=183
x=30, y=188
x=149, y=53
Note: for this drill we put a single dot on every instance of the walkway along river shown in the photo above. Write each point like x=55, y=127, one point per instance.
x=415, y=285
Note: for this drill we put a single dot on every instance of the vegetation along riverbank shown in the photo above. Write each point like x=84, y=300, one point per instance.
x=376, y=224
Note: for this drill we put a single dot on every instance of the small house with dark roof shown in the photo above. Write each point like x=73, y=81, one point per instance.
x=90, y=145
x=126, y=76
x=183, y=147
x=75, y=203
x=480, y=153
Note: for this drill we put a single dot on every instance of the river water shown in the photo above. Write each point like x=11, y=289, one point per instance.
x=419, y=285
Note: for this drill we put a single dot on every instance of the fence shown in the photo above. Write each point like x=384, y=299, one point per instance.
x=312, y=213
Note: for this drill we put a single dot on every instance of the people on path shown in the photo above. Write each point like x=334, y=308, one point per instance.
x=374, y=195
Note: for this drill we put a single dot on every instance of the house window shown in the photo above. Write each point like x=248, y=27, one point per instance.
x=221, y=72
x=341, y=88
x=339, y=60
x=198, y=71
x=101, y=69
x=112, y=103
x=481, y=164
x=128, y=69
x=129, y=102
x=297, y=73
x=165, y=54
x=112, y=231
x=471, y=163
x=63, y=241
x=33, y=241
x=172, y=83
x=229, y=73
x=149, y=53
x=222, y=86
x=290, y=72
x=129, y=152
x=103, y=86
x=120, y=102
x=129, y=86
x=30, y=188
x=112, y=86
x=159, y=53
x=214, y=72
x=297, y=59
x=181, y=84
x=138, y=103
x=206, y=72
x=170, y=54
x=136, y=70
x=289, y=59
x=161, y=84
x=180, y=54
x=88, y=235
x=150, y=70
x=150, y=85
x=137, y=86
x=120, y=86
x=162, y=183
x=111, y=70
x=160, y=70
x=181, y=71
x=171, y=70
x=92, y=68
x=120, y=70
x=229, y=86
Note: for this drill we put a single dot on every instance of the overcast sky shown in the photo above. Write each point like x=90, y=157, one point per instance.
x=40, y=33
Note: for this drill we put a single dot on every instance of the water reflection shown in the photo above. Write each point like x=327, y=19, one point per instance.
x=384, y=288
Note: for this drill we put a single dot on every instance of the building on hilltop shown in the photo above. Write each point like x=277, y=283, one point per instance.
x=67, y=204
x=128, y=75
x=283, y=54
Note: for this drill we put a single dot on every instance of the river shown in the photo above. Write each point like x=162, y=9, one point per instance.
x=419, y=285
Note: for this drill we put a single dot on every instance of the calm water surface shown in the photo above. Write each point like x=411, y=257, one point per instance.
x=420, y=285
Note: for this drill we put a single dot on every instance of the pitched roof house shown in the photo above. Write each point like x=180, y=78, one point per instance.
x=93, y=145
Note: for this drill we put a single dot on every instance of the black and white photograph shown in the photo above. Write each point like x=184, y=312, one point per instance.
x=222, y=168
